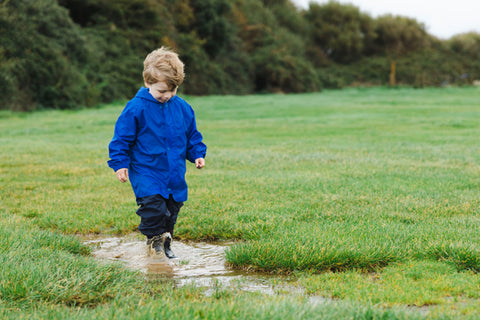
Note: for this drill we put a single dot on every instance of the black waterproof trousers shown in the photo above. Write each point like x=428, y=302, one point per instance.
x=158, y=215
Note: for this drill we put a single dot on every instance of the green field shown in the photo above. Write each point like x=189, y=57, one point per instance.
x=367, y=196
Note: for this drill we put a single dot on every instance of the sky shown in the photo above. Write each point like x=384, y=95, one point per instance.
x=442, y=18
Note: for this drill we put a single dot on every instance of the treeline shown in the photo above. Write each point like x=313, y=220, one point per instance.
x=69, y=53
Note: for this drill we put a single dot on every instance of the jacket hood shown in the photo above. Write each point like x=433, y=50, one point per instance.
x=144, y=93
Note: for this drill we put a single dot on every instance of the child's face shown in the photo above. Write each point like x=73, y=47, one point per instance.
x=161, y=91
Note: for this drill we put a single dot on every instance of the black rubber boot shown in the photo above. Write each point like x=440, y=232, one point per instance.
x=155, y=244
x=166, y=245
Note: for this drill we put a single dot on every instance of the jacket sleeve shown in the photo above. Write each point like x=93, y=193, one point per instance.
x=195, y=147
x=123, y=138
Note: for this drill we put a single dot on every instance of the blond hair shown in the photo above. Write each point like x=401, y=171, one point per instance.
x=163, y=65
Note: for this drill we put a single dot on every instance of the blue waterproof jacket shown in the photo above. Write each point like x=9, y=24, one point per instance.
x=153, y=139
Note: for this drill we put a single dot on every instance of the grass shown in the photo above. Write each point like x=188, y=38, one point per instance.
x=369, y=196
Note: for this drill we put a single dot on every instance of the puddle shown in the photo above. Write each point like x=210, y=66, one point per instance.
x=194, y=259
x=198, y=263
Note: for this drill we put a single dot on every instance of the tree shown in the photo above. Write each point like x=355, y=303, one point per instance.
x=42, y=53
x=466, y=44
x=398, y=35
x=342, y=32
x=211, y=24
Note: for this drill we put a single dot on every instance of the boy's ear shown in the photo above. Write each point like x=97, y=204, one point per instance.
x=146, y=84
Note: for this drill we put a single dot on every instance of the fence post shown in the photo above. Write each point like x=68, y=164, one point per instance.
x=392, y=73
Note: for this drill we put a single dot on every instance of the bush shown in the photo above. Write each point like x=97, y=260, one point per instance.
x=36, y=71
x=68, y=53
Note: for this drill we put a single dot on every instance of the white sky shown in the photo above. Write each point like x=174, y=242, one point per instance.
x=442, y=18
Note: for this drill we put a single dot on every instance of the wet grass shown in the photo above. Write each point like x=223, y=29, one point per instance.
x=46, y=275
x=368, y=195
x=357, y=179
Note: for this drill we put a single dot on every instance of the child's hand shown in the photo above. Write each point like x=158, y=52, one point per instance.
x=199, y=163
x=122, y=174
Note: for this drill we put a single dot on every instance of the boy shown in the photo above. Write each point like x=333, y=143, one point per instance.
x=154, y=135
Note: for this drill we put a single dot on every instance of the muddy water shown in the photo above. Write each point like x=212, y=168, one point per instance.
x=195, y=259
x=202, y=264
